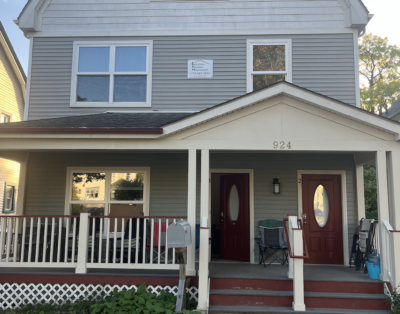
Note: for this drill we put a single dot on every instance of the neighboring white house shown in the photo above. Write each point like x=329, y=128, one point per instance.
x=223, y=113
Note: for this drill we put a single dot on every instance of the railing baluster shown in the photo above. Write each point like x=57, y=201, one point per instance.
x=59, y=239
x=151, y=240
x=137, y=241
x=67, y=239
x=45, y=240
x=9, y=236
x=122, y=240
x=21, y=258
x=115, y=240
x=130, y=241
x=93, y=238
x=100, y=239
x=37, y=240
x=52, y=239
x=15, y=245
x=144, y=240
x=30, y=241
x=166, y=243
x=73, y=239
x=173, y=251
x=159, y=240
x=108, y=240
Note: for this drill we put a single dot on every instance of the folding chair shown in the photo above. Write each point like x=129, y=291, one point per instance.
x=273, y=242
x=365, y=242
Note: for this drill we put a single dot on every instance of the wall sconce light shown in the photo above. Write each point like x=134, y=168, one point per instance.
x=276, y=186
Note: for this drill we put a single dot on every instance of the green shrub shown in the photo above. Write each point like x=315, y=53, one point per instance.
x=394, y=301
x=124, y=302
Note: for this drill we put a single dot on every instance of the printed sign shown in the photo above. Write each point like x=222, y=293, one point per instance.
x=200, y=68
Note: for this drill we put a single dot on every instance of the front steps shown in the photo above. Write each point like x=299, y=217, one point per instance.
x=276, y=296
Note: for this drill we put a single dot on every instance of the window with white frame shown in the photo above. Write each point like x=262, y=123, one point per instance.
x=111, y=74
x=268, y=62
x=9, y=198
x=100, y=191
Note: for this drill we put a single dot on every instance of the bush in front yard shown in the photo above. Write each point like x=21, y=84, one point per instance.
x=130, y=301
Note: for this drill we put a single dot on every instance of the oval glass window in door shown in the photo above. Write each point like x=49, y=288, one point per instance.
x=321, y=206
x=234, y=204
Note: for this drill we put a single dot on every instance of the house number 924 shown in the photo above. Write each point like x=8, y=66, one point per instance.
x=282, y=145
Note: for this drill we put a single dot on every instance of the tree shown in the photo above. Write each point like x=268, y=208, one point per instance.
x=379, y=64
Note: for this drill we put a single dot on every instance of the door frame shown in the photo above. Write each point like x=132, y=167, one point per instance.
x=342, y=174
x=250, y=172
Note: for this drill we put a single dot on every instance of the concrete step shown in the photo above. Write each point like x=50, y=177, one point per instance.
x=266, y=298
x=287, y=285
x=279, y=310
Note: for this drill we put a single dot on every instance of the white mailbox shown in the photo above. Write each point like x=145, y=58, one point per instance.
x=179, y=234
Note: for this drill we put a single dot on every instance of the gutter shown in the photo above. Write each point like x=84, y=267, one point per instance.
x=83, y=130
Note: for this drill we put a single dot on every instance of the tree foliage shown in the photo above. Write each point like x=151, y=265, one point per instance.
x=379, y=65
x=371, y=206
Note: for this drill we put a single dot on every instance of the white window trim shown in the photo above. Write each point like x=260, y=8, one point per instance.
x=7, y=114
x=107, y=201
x=268, y=42
x=12, y=198
x=111, y=103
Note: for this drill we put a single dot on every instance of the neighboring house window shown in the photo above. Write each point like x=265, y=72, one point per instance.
x=9, y=198
x=268, y=62
x=128, y=176
x=5, y=118
x=112, y=74
x=104, y=189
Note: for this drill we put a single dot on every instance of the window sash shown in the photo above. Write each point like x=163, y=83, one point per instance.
x=11, y=199
x=112, y=73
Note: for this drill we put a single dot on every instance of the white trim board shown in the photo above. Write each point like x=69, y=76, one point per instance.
x=28, y=83
x=250, y=172
x=342, y=174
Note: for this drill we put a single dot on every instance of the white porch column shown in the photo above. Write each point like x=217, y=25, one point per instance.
x=83, y=243
x=204, y=231
x=21, y=187
x=383, y=209
x=191, y=212
x=360, y=192
x=394, y=188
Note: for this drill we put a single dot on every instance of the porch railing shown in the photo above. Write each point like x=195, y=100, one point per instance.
x=86, y=241
x=391, y=262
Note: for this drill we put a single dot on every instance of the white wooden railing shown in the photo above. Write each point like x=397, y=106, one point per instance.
x=297, y=249
x=391, y=263
x=85, y=241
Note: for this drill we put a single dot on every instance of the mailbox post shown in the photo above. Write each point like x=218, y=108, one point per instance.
x=179, y=236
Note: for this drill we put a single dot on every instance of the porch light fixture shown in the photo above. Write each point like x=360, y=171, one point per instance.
x=276, y=186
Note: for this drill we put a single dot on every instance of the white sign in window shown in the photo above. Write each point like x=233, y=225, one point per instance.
x=200, y=68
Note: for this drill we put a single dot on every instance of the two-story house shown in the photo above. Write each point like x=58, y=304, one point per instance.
x=12, y=94
x=225, y=113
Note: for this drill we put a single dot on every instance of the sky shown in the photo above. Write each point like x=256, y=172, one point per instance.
x=385, y=23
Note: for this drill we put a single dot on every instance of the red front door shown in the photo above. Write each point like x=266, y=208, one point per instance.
x=235, y=223
x=322, y=218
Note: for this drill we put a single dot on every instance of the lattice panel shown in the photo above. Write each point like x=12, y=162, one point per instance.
x=15, y=294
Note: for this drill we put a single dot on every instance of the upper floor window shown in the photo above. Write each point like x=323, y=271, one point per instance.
x=5, y=118
x=9, y=198
x=111, y=74
x=268, y=62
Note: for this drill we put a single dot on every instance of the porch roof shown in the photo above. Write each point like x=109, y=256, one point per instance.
x=109, y=122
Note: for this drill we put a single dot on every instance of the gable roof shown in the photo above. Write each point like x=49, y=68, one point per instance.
x=12, y=56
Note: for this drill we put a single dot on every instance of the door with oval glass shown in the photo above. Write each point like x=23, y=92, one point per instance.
x=322, y=218
x=235, y=223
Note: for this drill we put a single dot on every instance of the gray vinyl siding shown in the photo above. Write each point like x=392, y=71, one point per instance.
x=321, y=63
x=168, y=180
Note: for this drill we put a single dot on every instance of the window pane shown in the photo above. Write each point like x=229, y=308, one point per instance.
x=269, y=58
x=123, y=189
x=5, y=118
x=9, y=191
x=261, y=81
x=93, y=209
x=94, y=59
x=93, y=88
x=88, y=186
x=130, y=88
x=321, y=206
x=130, y=59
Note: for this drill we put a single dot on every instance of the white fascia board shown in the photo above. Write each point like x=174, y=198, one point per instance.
x=30, y=19
x=285, y=89
x=209, y=32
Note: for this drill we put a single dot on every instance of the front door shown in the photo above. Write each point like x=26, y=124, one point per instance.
x=322, y=218
x=235, y=223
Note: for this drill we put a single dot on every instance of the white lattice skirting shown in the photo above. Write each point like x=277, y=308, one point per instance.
x=16, y=294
